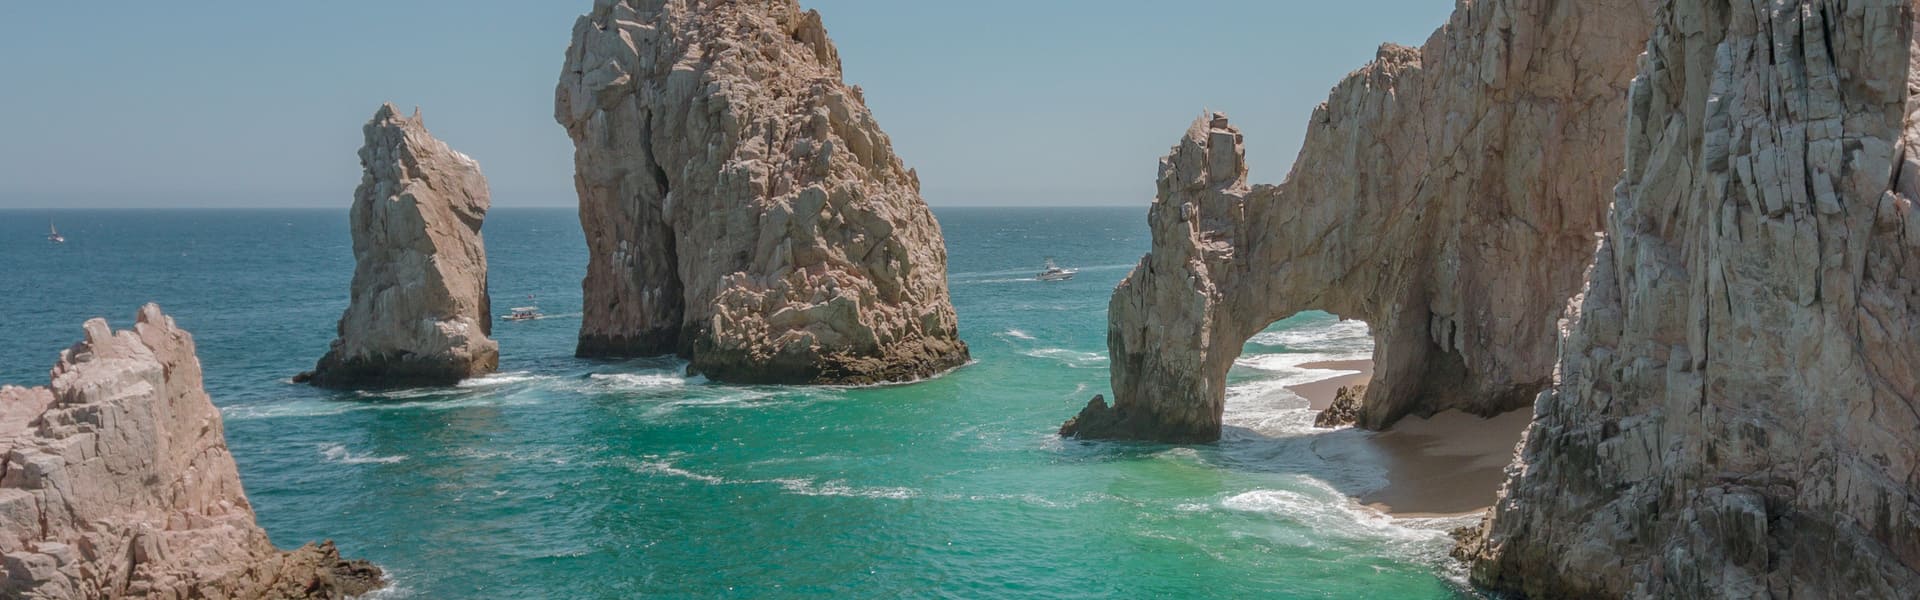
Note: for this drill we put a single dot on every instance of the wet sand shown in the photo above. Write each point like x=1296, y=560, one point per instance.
x=1451, y=464
x=1320, y=393
x=1448, y=465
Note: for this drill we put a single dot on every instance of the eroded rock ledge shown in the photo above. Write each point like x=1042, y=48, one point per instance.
x=419, y=314
x=741, y=206
x=1738, y=405
x=117, y=484
x=1448, y=195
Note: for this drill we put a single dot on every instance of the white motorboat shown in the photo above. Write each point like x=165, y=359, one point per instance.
x=1055, y=273
x=523, y=313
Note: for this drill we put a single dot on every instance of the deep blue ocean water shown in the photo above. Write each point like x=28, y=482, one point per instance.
x=567, y=478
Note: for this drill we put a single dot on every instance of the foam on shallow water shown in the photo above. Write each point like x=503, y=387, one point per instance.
x=337, y=453
x=1076, y=359
x=1341, y=337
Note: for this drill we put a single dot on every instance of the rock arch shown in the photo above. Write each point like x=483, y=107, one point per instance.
x=1450, y=196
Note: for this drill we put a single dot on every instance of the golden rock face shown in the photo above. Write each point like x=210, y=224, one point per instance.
x=1449, y=195
x=742, y=207
x=1735, y=412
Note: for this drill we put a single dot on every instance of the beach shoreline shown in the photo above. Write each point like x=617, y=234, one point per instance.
x=1320, y=393
x=1448, y=465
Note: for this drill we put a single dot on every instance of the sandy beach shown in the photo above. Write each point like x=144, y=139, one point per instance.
x=1450, y=464
x=1320, y=393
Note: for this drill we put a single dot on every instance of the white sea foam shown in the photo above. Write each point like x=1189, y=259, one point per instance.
x=441, y=400
x=1018, y=334
x=1071, y=358
x=809, y=487
x=666, y=468
x=500, y=379
x=1341, y=337
x=395, y=587
x=340, y=454
x=1292, y=363
x=737, y=397
x=794, y=485
x=643, y=381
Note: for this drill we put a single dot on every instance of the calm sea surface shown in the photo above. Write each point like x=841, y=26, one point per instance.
x=566, y=478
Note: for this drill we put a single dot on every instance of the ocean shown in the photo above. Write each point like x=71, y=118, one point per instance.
x=569, y=478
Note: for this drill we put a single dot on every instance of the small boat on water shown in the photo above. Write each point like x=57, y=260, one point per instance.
x=523, y=313
x=53, y=234
x=1055, y=273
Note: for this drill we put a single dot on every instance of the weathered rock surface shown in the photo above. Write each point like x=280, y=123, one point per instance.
x=1345, y=409
x=1737, y=412
x=420, y=315
x=117, y=484
x=1449, y=196
x=741, y=206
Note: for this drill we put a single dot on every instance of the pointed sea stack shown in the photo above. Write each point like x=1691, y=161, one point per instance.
x=742, y=208
x=1448, y=195
x=118, y=484
x=1737, y=413
x=419, y=314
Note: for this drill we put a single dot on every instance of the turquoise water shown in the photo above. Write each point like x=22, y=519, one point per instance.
x=565, y=478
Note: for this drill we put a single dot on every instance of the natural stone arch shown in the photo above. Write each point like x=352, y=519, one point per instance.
x=1449, y=196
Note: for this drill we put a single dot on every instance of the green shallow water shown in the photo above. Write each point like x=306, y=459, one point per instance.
x=564, y=478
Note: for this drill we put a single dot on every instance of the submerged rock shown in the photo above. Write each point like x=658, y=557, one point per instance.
x=742, y=208
x=420, y=314
x=1447, y=195
x=1738, y=402
x=118, y=484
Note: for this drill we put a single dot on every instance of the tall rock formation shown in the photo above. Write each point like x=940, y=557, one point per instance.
x=117, y=484
x=420, y=313
x=1449, y=196
x=741, y=206
x=1737, y=413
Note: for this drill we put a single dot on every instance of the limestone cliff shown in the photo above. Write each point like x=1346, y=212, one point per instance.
x=419, y=313
x=117, y=484
x=1448, y=195
x=741, y=206
x=1737, y=412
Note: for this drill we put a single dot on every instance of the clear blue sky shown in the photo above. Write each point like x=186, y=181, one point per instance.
x=996, y=102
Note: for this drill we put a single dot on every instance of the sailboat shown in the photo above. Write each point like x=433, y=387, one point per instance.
x=53, y=234
x=1055, y=273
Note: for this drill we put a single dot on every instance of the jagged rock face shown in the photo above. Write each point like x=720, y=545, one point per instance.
x=741, y=206
x=1345, y=409
x=1738, y=400
x=1449, y=196
x=420, y=314
x=117, y=484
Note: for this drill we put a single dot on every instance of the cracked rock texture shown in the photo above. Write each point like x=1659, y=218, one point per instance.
x=117, y=484
x=1737, y=411
x=420, y=314
x=1449, y=195
x=742, y=208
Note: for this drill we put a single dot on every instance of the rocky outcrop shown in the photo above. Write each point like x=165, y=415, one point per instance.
x=419, y=315
x=1448, y=195
x=741, y=206
x=1345, y=409
x=1738, y=401
x=117, y=484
